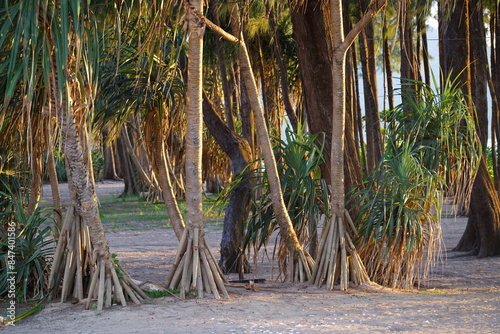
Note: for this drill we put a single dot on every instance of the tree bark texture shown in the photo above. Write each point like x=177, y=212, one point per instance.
x=311, y=41
x=481, y=236
x=482, y=233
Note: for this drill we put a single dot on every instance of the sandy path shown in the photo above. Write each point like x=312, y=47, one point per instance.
x=463, y=296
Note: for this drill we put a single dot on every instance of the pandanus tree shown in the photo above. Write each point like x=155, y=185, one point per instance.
x=195, y=266
x=338, y=261
x=432, y=150
x=299, y=262
x=52, y=59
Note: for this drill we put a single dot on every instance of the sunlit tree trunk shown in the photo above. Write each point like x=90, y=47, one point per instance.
x=297, y=266
x=195, y=266
x=338, y=261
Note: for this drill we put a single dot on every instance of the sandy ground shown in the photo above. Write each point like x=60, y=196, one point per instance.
x=462, y=296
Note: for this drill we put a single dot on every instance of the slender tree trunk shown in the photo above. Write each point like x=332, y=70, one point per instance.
x=110, y=172
x=370, y=93
x=387, y=66
x=155, y=139
x=278, y=53
x=287, y=232
x=129, y=173
x=221, y=61
x=338, y=260
x=409, y=65
x=195, y=267
x=36, y=172
x=247, y=116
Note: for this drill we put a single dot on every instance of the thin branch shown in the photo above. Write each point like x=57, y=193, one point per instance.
x=372, y=10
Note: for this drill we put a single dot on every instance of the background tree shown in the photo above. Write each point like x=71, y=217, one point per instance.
x=482, y=234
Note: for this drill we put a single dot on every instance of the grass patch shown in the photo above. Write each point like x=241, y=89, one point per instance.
x=135, y=213
x=162, y=293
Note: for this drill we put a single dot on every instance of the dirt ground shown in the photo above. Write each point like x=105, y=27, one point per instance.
x=462, y=296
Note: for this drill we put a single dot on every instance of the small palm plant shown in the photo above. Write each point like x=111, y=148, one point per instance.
x=432, y=150
x=26, y=248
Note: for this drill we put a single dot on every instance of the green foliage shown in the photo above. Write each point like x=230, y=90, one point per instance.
x=432, y=150
x=26, y=248
x=98, y=164
x=60, y=166
x=489, y=156
x=305, y=194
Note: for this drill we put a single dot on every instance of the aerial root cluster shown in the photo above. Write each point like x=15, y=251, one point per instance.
x=195, y=267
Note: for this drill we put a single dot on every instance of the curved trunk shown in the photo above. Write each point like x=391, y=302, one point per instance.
x=166, y=186
x=232, y=258
x=482, y=233
x=287, y=232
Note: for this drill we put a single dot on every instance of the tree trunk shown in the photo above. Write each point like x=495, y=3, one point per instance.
x=155, y=139
x=54, y=184
x=370, y=92
x=109, y=157
x=36, y=172
x=129, y=170
x=309, y=22
x=247, y=116
x=82, y=256
x=479, y=69
x=482, y=234
x=297, y=257
x=232, y=257
x=388, y=67
x=409, y=65
x=195, y=267
x=338, y=260
x=278, y=53
x=221, y=61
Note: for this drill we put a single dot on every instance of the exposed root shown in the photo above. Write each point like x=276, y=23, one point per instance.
x=78, y=272
x=338, y=261
x=195, y=267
